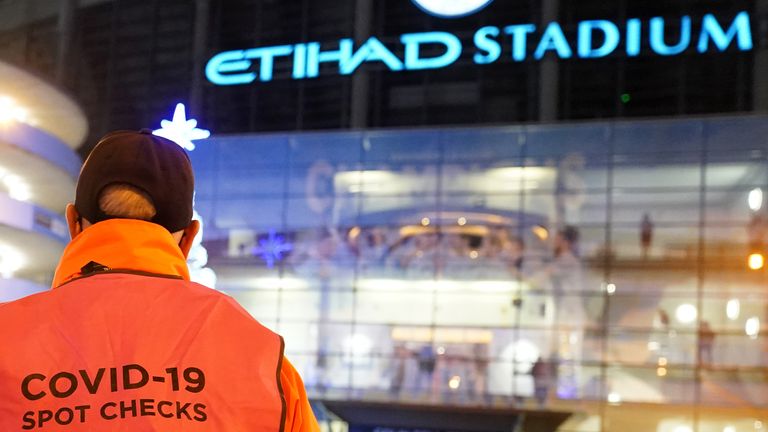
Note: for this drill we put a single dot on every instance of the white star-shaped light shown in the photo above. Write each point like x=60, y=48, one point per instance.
x=180, y=130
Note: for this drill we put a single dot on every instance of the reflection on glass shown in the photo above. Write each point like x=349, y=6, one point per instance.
x=557, y=273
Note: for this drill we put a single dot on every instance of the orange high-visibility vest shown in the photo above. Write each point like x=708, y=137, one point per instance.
x=118, y=347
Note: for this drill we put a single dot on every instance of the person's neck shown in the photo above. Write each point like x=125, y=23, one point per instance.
x=122, y=244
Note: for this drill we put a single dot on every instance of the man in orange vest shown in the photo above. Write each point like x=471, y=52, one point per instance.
x=124, y=341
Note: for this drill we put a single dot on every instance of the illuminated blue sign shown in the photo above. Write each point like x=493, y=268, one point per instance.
x=594, y=39
x=451, y=8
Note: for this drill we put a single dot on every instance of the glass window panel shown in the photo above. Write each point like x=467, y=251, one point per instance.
x=243, y=183
x=735, y=282
x=496, y=145
x=377, y=302
x=247, y=152
x=559, y=141
x=643, y=384
x=671, y=208
x=745, y=388
x=656, y=138
x=330, y=304
x=305, y=213
x=337, y=148
x=411, y=146
x=328, y=177
x=730, y=207
x=205, y=184
x=301, y=337
x=736, y=133
x=261, y=304
x=513, y=353
x=628, y=416
x=672, y=247
x=474, y=308
x=261, y=214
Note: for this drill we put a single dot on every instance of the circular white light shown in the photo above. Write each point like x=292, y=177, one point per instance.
x=686, y=313
x=610, y=288
x=451, y=8
x=752, y=327
x=755, y=199
x=462, y=221
x=733, y=309
x=614, y=398
x=455, y=382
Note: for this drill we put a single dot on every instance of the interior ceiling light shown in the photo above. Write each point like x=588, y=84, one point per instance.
x=756, y=261
x=752, y=327
x=755, y=199
x=686, y=313
x=733, y=309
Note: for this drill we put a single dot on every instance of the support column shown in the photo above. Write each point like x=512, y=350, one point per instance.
x=66, y=24
x=549, y=70
x=199, y=54
x=760, y=72
x=358, y=118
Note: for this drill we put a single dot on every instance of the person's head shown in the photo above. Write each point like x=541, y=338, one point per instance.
x=566, y=240
x=136, y=175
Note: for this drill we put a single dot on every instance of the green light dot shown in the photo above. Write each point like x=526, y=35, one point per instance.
x=625, y=98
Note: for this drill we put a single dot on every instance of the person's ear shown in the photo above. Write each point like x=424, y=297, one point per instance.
x=188, y=237
x=74, y=221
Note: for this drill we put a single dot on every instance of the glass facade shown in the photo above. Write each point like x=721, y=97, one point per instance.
x=595, y=267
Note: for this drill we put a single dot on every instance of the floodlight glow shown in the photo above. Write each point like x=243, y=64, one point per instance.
x=686, y=313
x=17, y=188
x=451, y=8
x=11, y=261
x=181, y=130
x=10, y=111
x=614, y=398
x=755, y=199
x=756, y=261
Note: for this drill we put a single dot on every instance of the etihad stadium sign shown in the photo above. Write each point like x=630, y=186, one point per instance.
x=519, y=42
